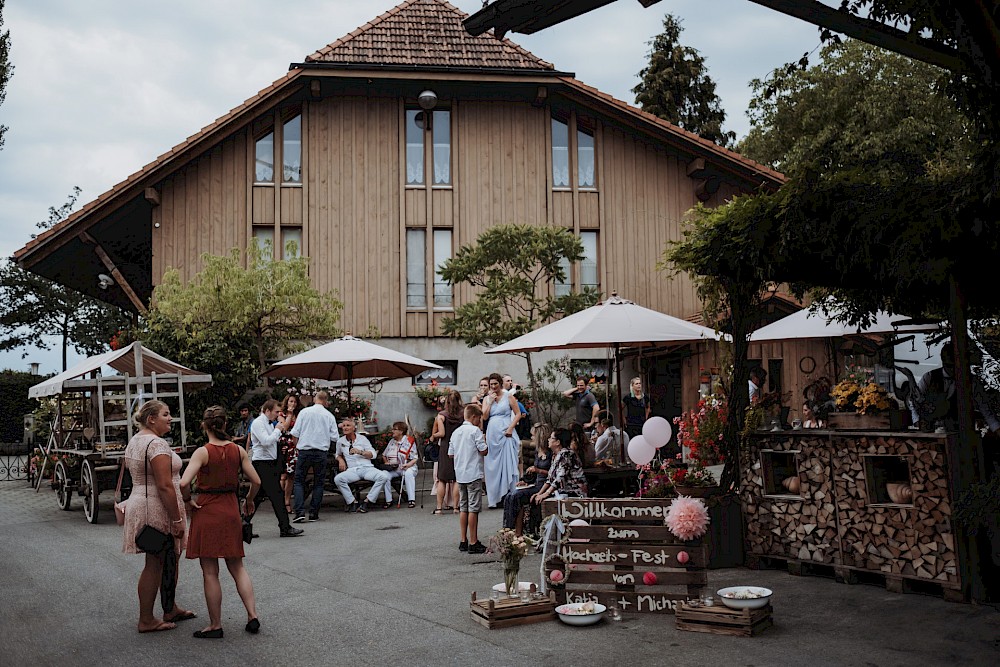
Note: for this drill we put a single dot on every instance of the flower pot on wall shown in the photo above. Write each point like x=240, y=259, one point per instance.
x=716, y=471
x=852, y=421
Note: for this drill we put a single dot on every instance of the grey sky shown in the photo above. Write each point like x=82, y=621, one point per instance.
x=102, y=87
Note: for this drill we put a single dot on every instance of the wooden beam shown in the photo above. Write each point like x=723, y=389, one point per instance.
x=115, y=273
x=867, y=30
x=540, y=96
x=695, y=167
x=152, y=196
x=314, y=88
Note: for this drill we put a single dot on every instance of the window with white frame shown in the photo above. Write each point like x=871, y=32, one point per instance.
x=584, y=158
x=441, y=156
x=264, y=238
x=442, y=252
x=447, y=375
x=588, y=265
x=264, y=161
x=415, y=146
x=560, y=154
x=416, y=280
x=564, y=286
x=291, y=242
x=291, y=150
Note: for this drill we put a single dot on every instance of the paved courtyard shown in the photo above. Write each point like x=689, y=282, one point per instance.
x=391, y=588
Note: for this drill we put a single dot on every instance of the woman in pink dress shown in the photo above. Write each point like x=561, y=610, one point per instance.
x=155, y=501
x=216, y=525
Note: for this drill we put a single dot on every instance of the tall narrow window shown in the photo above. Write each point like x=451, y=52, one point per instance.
x=264, y=171
x=584, y=159
x=291, y=242
x=264, y=237
x=441, y=158
x=564, y=286
x=560, y=154
x=291, y=151
x=415, y=146
x=416, y=282
x=442, y=253
x=588, y=266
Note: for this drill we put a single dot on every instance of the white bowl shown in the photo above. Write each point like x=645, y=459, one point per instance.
x=521, y=586
x=764, y=597
x=580, y=619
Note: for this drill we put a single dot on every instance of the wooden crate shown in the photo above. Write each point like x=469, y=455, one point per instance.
x=511, y=611
x=721, y=620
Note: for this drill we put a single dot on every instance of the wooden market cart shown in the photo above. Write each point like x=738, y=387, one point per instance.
x=93, y=418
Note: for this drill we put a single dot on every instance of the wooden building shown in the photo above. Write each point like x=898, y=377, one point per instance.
x=381, y=154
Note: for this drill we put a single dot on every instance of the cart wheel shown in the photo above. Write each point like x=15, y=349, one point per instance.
x=61, y=483
x=90, y=489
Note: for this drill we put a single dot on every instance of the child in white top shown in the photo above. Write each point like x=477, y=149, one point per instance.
x=467, y=448
x=400, y=457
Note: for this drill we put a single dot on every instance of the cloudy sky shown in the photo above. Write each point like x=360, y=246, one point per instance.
x=101, y=87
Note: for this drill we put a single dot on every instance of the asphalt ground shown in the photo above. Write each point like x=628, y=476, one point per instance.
x=391, y=588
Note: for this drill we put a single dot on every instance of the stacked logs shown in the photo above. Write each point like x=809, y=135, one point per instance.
x=909, y=540
x=800, y=526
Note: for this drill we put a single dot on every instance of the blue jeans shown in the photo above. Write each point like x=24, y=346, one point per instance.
x=315, y=459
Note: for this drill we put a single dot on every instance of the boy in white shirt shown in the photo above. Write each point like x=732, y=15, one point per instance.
x=400, y=457
x=467, y=448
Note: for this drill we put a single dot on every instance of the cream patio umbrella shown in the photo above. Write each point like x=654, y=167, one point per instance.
x=614, y=323
x=349, y=358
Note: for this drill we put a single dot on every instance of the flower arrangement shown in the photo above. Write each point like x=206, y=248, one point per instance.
x=431, y=394
x=696, y=476
x=511, y=549
x=687, y=518
x=655, y=480
x=700, y=430
x=355, y=407
x=858, y=391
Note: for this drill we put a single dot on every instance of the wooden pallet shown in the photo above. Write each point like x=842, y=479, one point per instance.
x=721, y=620
x=510, y=611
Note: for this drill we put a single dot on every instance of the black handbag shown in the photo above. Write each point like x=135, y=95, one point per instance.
x=149, y=539
x=247, y=530
x=432, y=450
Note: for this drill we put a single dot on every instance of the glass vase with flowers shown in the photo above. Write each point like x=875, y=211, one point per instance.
x=510, y=548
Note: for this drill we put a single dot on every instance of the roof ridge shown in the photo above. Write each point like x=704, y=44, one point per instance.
x=344, y=45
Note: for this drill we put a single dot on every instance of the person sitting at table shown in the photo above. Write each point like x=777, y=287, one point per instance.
x=400, y=457
x=514, y=503
x=566, y=474
x=354, y=458
x=610, y=441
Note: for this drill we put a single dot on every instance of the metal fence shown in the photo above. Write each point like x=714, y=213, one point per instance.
x=15, y=462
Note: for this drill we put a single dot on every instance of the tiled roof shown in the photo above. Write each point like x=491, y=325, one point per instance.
x=425, y=33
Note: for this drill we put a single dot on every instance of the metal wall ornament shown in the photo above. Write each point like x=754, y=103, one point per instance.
x=807, y=364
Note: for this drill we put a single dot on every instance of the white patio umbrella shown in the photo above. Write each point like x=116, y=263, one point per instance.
x=808, y=324
x=614, y=322
x=349, y=358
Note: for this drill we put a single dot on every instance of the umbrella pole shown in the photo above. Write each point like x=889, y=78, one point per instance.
x=621, y=413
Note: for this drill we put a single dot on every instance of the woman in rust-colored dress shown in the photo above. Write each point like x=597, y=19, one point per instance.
x=286, y=444
x=216, y=526
x=449, y=419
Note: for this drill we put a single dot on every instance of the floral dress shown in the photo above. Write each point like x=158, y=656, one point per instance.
x=286, y=445
x=566, y=475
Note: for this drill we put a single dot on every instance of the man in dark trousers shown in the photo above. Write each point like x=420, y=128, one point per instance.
x=264, y=455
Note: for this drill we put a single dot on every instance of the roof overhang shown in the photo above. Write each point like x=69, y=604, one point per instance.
x=530, y=16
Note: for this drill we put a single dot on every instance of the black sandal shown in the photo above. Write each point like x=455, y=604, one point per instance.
x=411, y=504
x=438, y=511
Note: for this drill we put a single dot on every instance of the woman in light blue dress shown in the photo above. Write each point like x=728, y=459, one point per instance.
x=502, y=441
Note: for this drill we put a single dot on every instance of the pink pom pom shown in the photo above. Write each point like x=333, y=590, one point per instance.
x=687, y=518
x=557, y=575
x=682, y=557
x=649, y=579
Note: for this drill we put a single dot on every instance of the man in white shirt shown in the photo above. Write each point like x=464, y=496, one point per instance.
x=610, y=440
x=755, y=386
x=264, y=456
x=354, y=457
x=315, y=429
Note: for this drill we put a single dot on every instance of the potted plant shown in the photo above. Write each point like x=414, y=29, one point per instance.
x=695, y=482
x=700, y=431
x=860, y=402
x=431, y=395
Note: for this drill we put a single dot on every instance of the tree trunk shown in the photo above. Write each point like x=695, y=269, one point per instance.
x=65, y=340
x=742, y=308
x=261, y=360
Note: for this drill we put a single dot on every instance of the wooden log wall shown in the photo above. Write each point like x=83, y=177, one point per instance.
x=842, y=515
x=606, y=561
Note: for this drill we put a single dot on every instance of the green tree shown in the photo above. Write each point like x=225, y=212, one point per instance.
x=514, y=269
x=33, y=308
x=6, y=68
x=271, y=302
x=860, y=107
x=676, y=87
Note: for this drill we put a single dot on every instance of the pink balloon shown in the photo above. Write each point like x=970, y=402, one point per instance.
x=682, y=557
x=640, y=451
x=556, y=575
x=649, y=579
x=656, y=431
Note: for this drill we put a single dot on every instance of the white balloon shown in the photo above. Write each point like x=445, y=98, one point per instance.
x=640, y=451
x=578, y=522
x=656, y=431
